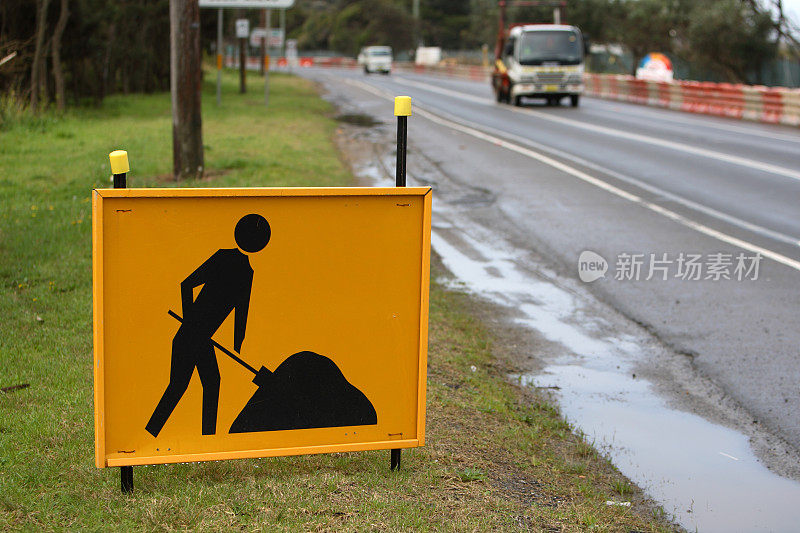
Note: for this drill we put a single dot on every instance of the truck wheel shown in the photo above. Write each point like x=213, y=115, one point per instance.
x=517, y=101
x=574, y=99
x=366, y=70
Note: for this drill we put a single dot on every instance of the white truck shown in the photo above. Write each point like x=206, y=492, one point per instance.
x=539, y=61
x=376, y=59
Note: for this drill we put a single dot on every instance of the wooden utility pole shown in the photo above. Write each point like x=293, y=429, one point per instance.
x=263, y=41
x=242, y=33
x=242, y=65
x=185, y=81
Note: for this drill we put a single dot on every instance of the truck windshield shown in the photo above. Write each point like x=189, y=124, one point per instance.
x=380, y=53
x=537, y=47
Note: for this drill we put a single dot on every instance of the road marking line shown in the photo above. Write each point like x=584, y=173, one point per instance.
x=701, y=228
x=667, y=114
x=781, y=237
x=711, y=154
x=728, y=456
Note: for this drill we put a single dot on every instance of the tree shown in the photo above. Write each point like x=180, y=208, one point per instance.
x=58, y=71
x=597, y=19
x=646, y=26
x=786, y=28
x=37, y=78
x=730, y=38
x=446, y=23
x=185, y=80
x=370, y=22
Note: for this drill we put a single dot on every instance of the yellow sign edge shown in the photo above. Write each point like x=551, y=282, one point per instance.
x=98, y=325
x=423, y=321
x=261, y=191
x=267, y=452
x=103, y=460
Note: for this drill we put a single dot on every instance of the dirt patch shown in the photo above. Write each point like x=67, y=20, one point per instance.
x=208, y=175
x=358, y=119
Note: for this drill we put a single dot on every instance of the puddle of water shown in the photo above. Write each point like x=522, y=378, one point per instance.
x=704, y=474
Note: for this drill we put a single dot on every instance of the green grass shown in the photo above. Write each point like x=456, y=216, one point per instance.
x=497, y=457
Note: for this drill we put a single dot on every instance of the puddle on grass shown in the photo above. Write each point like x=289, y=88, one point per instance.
x=703, y=474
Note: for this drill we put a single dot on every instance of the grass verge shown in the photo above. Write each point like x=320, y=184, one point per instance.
x=497, y=456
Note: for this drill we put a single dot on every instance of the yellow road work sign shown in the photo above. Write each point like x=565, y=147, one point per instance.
x=233, y=323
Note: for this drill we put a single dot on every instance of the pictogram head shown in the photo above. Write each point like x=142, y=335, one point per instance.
x=252, y=233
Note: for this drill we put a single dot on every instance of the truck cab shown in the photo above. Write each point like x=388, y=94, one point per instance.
x=540, y=61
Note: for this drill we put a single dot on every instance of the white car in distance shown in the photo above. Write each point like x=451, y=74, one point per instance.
x=376, y=59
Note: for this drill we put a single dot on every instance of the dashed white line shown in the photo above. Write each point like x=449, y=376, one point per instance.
x=680, y=219
x=646, y=139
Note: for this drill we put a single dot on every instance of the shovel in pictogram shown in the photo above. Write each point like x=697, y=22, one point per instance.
x=261, y=376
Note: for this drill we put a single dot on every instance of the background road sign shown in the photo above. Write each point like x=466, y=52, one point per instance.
x=274, y=37
x=242, y=28
x=338, y=297
x=260, y=4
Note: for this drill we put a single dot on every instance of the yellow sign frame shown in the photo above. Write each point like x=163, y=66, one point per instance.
x=108, y=458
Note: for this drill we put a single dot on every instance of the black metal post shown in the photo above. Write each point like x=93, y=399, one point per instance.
x=120, y=168
x=402, y=146
x=402, y=110
x=394, y=461
x=126, y=479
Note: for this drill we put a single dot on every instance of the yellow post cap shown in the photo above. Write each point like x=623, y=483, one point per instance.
x=119, y=162
x=402, y=106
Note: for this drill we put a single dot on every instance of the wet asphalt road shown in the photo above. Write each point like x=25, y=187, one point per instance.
x=620, y=178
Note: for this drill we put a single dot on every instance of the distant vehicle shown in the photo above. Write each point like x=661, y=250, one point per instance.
x=539, y=61
x=376, y=59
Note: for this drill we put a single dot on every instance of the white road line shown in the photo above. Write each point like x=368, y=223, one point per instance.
x=728, y=456
x=701, y=228
x=711, y=154
x=749, y=226
x=677, y=117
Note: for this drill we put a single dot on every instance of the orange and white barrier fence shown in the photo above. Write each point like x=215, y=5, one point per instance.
x=253, y=63
x=774, y=105
x=472, y=72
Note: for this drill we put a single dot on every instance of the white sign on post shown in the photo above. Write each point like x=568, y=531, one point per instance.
x=246, y=4
x=274, y=37
x=256, y=35
x=242, y=28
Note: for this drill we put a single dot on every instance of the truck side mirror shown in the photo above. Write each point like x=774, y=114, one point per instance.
x=509, y=48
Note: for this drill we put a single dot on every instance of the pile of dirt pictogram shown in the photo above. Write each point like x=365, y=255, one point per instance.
x=306, y=391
